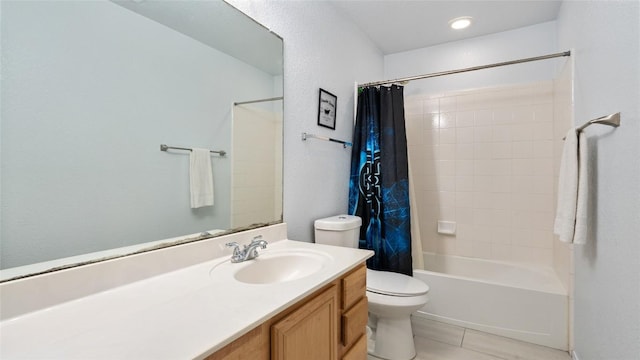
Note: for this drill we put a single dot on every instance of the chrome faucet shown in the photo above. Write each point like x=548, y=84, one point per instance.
x=249, y=251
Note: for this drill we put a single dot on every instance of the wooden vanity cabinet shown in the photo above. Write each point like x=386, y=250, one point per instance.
x=327, y=325
x=354, y=312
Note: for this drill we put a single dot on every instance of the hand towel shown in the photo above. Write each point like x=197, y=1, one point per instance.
x=571, y=212
x=200, y=178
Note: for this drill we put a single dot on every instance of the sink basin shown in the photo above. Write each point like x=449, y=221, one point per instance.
x=275, y=267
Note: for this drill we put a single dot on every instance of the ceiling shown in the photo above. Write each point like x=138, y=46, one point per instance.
x=401, y=25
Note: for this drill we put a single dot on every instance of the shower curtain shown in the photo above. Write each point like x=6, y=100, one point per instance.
x=379, y=182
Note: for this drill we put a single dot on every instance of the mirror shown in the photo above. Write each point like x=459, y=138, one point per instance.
x=90, y=90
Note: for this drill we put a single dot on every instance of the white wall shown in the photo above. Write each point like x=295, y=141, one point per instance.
x=321, y=50
x=78, y=143
x=525, y=42
x=605, y=36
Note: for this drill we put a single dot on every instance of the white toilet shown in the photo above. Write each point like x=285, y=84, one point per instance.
x=392, y=296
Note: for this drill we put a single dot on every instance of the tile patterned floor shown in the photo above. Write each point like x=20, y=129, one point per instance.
x=439, y=341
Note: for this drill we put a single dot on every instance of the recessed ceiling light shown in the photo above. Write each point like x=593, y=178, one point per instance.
x=460, y=22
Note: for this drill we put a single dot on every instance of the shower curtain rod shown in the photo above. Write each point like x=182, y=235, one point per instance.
x=257, y=101
x=474, y=68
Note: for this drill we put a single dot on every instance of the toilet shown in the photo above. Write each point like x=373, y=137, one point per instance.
x=392, y=296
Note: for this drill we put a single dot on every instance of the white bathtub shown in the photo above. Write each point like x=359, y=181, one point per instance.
x=511, y=300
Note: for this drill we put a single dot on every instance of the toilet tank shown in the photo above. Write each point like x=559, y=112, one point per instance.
x=339, y=230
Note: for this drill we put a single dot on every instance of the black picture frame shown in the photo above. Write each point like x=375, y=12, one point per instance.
x=327, y=105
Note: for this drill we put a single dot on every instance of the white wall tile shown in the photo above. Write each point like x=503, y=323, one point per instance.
x=502, y=132
x=501, y=183
x=482, y=150
x=447, y=199
x=501, y=150
x=447, y=120
x=543, y=167
x=522, y=184
x=503, y=116
x=482, y=217
x=483, y=118
x=464, y=231
x=431, y=135
x=447, y=135
x=523, y=167
x=412, y=107
x=543, y=149
x=446, y=183
x=464, y=167
x=465, y=119
x=465, y=135
x=523, y=115
x=464, y=199
x=482, y=183
x=481, y=249
x=488, y=164
x=483, y=134
x=431, y=106
x=464, y=183
x=543, y=113
x=543, y=131
x=522, y=149
x=501, y=252
x=464, y=151
x=464, y=216
x=446, y=151
x=448, y=104
x=431, y=120
x=501, y=166
x=522, y=132
x=446, y=167
x=501, y=235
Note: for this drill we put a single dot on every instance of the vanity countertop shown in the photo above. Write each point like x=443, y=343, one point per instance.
x=187, y=313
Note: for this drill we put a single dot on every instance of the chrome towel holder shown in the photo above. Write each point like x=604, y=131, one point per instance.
x=305, y=136
x=610, y=120
x=164, y=147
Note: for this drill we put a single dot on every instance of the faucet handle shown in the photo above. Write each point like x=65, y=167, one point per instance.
x=235, y=246
x=257, y=240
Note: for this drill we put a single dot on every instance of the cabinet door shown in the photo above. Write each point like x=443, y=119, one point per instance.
x=310, y=332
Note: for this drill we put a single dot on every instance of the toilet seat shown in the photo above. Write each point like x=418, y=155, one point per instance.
x=394, y=284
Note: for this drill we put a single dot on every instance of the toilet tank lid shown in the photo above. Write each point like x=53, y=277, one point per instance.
x=390, y=283
x=338, y=223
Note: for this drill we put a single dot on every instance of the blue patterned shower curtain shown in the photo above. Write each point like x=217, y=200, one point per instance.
x=379, y=182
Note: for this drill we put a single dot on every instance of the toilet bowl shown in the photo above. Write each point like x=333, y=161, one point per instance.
x=392, y=297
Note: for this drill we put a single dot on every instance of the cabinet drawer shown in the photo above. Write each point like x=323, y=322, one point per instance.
x=358, y=351
x=354, y=287
x=354, y=322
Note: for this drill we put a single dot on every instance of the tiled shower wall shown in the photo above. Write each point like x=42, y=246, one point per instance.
x=256, y=188
x=485, y=159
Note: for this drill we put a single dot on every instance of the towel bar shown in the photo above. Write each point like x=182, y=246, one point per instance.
x=611, y=120
x=307, y=135
x=164, y=147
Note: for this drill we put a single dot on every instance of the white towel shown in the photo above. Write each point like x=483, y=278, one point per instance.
x=580, y=235
x=571, y=212
x=200, y=178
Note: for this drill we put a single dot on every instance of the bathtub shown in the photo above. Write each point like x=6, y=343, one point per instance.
x=520, y=302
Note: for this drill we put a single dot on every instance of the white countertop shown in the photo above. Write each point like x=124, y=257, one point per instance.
x=188, y=313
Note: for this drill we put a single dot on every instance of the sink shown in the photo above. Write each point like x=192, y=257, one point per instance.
x=275, y=267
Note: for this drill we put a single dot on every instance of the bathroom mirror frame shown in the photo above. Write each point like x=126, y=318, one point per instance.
x=227, y=47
